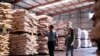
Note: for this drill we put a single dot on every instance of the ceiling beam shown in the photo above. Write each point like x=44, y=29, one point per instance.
x=43, y=4
x=15, y=1
x=54, y=9
x=70, y=10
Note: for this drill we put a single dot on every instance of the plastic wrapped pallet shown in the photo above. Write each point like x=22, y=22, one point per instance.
x=77, y=43
x=84, y=43
x=22, y=44
x=85, y=39
x=77, y=33
x=22, y=21
x=84, y=35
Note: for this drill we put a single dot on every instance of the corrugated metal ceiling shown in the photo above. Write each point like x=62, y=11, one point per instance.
x=53, y=6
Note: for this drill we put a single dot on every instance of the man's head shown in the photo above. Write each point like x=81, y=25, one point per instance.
x=51, y=27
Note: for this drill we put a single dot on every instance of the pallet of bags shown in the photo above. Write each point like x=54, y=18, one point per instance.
x=44, y=21
x=61, y=32
x=23, y=44
x=5, y=24
x=5, y=14
x=61, y=43
x=5, y=11
x=4, y=45
x=23, y=35
x=22, y=21
x=4, y=39
x=43, y=49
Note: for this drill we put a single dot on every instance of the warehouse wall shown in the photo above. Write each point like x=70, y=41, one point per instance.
x=79, y=18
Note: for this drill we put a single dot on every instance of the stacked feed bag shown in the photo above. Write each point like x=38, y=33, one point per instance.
x=61, y=39
x=4, y=49
x=5, y=9
x=22, y=44
x=95, y=33
x=61, y=43
x=44, y=21
x=5, y=14
x=43, y=48
x=22, y=21
x=23, y=34
x=61, y=32
x=5, y=24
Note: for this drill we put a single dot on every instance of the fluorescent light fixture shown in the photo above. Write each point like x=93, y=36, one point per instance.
x=56, y=3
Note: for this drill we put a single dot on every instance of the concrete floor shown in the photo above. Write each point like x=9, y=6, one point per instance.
x=79, y=52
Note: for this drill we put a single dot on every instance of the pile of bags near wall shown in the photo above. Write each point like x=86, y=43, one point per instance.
x=95, y=33
x=61, y=32
x=22, y=37
x=85, y=40
x=5, y=21
x=44, y=21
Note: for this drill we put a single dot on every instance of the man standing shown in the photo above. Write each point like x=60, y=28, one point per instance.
x=52, y=38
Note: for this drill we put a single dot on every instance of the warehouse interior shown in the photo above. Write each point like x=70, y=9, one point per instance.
x=21, y=20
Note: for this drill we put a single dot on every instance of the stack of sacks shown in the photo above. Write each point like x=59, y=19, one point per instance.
x=5, y=14
x=61, y=43
x=35, y=46
x=4, y=49
x=95, y=33
x=5, y=9
x=22, y=21
x=22, y=38
x=44, y=22
x=22, y=44
x=43, y=48
x=61, y=31
x=5, y=21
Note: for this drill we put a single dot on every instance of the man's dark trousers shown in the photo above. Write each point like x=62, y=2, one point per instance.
x=51, y=47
